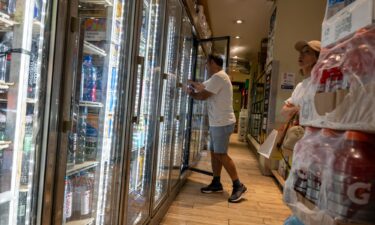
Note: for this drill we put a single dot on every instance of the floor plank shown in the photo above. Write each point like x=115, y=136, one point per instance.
x=263, y=203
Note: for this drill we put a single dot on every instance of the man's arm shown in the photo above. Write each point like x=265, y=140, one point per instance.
x=203, y=95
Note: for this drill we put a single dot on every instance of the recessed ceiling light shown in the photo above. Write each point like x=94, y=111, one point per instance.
x=235, y=57
x=239, y=21
x=237, y=37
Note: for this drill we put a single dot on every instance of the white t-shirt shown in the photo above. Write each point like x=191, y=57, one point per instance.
x=299, y=91
x=220, y=105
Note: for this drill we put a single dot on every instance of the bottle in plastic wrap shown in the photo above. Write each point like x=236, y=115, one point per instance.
x=81, y=145
x=319, y=161
x=68, y=200
x=352, y=189
x=301, y=158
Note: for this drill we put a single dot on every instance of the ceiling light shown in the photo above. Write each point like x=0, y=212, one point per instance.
x=239, y=21
x=237, y=37
x=235, y=57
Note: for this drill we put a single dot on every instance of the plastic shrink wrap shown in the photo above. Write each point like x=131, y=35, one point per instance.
x=332, y=179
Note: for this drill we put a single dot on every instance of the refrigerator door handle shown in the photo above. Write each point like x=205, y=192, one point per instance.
x=140, y=61
x=66, y=126
x=74, y=24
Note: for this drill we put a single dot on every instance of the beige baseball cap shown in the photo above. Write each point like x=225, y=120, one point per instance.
x=314, y=44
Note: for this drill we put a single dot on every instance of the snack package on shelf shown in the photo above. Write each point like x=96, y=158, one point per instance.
x=332, y=179
x=342, y=89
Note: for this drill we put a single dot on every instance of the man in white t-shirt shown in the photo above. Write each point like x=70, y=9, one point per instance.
x=218, y=93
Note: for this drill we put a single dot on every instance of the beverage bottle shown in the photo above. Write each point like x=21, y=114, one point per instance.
x=301, y=156
x=5, y=59
x=91, y=142
x=68, y=200
x=72, y=148
x=27, y=150
x=82, y=125
x=33, y=68
x=22, y=206
x=76, y=197
x=85, y=196
x=37, y=9
x=318, y=168
x=3, y=124
x=352, y=184
x=89, y=80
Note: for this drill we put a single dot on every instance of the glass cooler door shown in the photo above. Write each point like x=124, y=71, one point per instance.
x=91, y=192
x=24, y=52
x=148, y=75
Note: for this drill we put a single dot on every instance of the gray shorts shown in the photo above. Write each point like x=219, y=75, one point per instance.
x=220, y=138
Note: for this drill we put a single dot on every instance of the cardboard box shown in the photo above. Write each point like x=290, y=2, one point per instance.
x=358, y=14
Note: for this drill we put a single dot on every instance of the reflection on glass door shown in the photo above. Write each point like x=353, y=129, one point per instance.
x=24, y=50
x=145, y=110
x=95, y=66
x=182, y=103
x=173, y=25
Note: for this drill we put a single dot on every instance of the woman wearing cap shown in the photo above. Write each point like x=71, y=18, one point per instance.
x=308, y=56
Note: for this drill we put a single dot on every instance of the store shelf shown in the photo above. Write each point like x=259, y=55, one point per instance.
x=98, y=2
x=23, y=188
x=4, y=144
x=80, y=167
x=37, y=26
x=5, y=85
x=81, y=222
x=5, y=22
x=91, y=49
x=31, y=100
x=90, y=104
x=278, y=177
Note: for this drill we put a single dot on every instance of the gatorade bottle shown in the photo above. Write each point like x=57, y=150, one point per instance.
x=301, y=157
x=352, y=189
x=319, y=161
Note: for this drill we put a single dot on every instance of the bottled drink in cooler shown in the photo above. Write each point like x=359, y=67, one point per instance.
x=37, y=9
x=3, y=124
x=352, y=187
x=91, y=142
x=82, y=126
x=27, y=150
x=22, y=205
x=5, y=56
x=33, y=69
x=72, y=149
x=8, y=6
x=82, y=199
x=68, y=200
x=89, y=80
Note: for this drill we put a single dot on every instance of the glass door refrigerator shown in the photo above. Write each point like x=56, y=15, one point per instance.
x=167, y=108
x=180, y=147
x=145, y=110
x=24, y=53
x=199, y=123
x=88, y=175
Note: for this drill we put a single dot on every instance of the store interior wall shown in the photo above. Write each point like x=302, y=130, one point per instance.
x=295, y=20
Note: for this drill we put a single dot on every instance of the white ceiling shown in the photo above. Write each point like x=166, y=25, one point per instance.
x=222, y=15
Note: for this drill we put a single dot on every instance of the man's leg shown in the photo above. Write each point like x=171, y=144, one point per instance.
x=216, y=165
x=227, y=162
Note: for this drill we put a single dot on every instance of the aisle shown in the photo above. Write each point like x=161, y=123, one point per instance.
x=263, y=204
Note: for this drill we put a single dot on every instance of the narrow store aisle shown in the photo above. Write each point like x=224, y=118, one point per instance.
x=263, y=203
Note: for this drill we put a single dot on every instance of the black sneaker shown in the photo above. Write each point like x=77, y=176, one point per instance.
x=212, y=188
x=237, y=194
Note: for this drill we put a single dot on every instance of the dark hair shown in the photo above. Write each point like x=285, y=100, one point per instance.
x=216, y=58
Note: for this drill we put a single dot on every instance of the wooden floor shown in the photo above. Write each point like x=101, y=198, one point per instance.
x=263, y=203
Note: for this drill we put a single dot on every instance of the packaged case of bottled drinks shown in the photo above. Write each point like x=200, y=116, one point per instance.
x=342, y=89
x=332, y=179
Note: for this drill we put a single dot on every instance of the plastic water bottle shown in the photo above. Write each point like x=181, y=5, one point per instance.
x=33, y=69
x=82, y=125
x=89, y=80
x=6, y=56
x=91, y=142
x=68, y=200
x=37, y=9
x=27, y=150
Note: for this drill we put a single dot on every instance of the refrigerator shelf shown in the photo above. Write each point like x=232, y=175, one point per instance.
x=90, y=104
x=93, y=50
x=80, y=167
x=31, y=100
x=24, y=188
x=5, y=85
x=5, y=197
x=88, y=221
x=98, y=2
x=6, y=22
